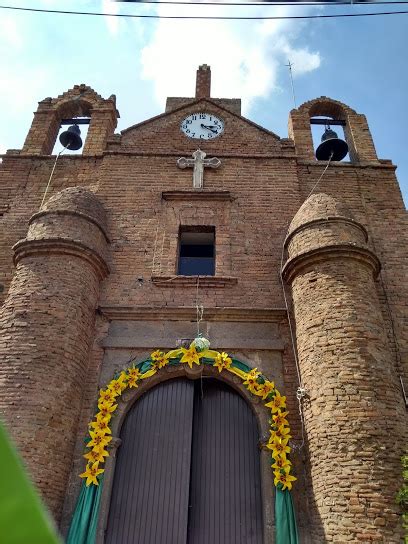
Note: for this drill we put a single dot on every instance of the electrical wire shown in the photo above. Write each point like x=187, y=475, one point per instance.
x=201, y=17
x=257, y=3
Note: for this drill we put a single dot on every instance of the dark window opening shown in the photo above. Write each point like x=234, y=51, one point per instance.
x=196, y=251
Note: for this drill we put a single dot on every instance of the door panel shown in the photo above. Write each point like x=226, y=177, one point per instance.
x=149, y=503
x=225, y=492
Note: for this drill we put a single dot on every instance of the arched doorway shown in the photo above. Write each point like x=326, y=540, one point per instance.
x=188, y=469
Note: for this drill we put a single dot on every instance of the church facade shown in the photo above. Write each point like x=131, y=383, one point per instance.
x=200, y=223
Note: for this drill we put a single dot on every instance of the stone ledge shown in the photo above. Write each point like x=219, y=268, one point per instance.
x=49, y=246
x=198, y=195
x=327, y=253
x=180, y=313
x=325, y=221
x=73, y=213
x=192, y=281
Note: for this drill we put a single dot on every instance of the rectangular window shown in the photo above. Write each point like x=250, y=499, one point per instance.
x=196, y=251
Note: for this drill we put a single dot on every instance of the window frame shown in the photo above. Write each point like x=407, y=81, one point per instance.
x=196, y=229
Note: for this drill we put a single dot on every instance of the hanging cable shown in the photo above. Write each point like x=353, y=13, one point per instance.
x=199, y=309
x=51, y=176
x=262, y=4
x=201, y=17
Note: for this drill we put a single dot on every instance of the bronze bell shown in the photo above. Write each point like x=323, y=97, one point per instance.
x=71, y=138
x=331, y=144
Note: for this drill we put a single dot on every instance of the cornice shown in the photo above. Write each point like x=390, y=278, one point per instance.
x=324, y=221
x=191, y=281
x=332, y=252
x=188, y=313
x=62, y=246
x=198, y=195
x=72, y=213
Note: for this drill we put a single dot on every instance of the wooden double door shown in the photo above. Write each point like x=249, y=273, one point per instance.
x=188, y=468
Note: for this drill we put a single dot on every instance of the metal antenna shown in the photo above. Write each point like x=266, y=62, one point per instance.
x=289, y=65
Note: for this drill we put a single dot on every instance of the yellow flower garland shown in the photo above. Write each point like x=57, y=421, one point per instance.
x=130, y=378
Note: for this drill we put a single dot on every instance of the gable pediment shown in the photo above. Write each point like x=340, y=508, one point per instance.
x=162, y=134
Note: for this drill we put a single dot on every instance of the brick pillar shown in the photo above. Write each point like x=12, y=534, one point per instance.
x=300, y=132
x=101, y=127
x=43, y=131
x=354, y=414
x=361, y=142
x=203, y=82
x=46, y=331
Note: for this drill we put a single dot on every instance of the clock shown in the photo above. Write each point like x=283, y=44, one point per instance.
x=202, y=126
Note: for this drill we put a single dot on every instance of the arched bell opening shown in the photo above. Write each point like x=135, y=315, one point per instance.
x=72, y=121
x=350, y=126
x=328, y=123
x=190, y=390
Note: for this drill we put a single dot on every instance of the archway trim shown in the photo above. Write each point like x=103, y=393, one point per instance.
x=84, y=521
x=197, y=354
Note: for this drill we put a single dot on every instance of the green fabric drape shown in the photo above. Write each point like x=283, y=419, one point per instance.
x=85, y=517
x=285, y=520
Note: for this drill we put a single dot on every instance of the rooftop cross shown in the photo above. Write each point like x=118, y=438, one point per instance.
x=199, y=162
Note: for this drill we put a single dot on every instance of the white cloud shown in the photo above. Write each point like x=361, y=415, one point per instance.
x=10, y=33
x=112, y=22
x=245, y=56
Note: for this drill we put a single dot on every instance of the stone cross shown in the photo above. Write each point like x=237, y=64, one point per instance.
x=198, y=163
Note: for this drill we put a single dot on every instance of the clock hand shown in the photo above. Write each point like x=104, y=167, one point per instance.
x=212, y=127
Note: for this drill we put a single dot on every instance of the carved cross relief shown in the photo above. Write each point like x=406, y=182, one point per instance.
x=198, y=163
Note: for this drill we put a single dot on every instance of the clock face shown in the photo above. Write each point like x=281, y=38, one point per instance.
x=202, y=126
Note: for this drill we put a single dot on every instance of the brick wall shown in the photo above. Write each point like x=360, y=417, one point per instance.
x=251, y=200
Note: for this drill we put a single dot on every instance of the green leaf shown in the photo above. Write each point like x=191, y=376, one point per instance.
x=23, y=518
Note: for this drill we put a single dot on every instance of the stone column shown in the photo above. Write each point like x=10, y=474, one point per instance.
x=46, y=331
x=354, y=413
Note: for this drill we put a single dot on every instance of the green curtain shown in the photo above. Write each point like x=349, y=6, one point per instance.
x=285, y=520
x=85, y=517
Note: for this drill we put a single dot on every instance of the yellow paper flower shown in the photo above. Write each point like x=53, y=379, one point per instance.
x=98, y=439
x=106, y=395
x=190, y=356
x=103, y=417
x=160, y=358
x=222, y=361
x=263, y=389
x=282, y=463
x=97, y=454
x=156, y=355
x=251, y=380
x=132, y=382
x=284, y=479
x=278, y=446
x=119, y=385
x=281, y=432
x=91, y=473
x=280, y=419
x=277, y=403
x=134, y=373
x=106, y=409
x=101, y=426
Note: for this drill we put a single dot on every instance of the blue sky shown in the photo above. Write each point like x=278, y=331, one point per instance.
x=360, y=61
